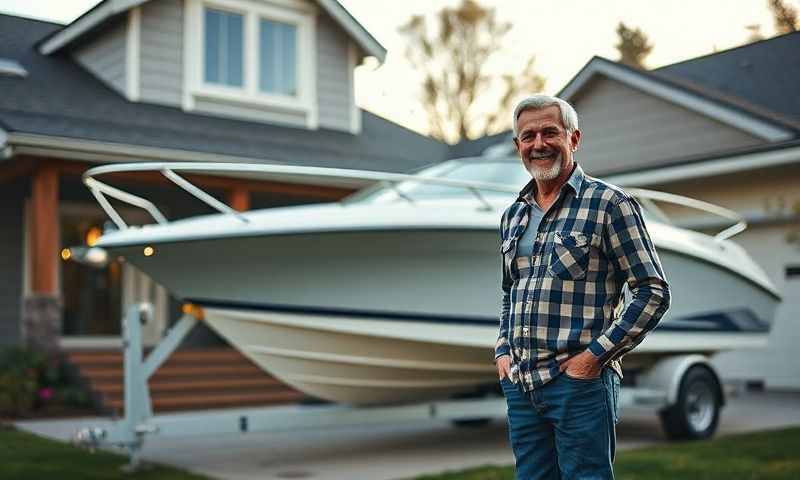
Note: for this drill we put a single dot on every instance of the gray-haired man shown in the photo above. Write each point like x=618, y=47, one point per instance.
x=569, y=243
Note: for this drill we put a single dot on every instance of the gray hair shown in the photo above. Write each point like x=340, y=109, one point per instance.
x=569, y=117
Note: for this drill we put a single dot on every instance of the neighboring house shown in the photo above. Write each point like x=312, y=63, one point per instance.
x=724, y=128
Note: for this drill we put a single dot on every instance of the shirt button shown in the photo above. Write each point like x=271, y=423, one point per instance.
x=525, y=330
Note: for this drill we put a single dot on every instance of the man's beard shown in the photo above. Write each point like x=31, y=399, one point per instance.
x=548, y=173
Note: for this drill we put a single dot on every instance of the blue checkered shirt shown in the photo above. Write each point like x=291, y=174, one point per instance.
x=567, y=296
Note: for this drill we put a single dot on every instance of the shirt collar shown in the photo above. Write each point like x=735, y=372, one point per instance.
x=575, y=181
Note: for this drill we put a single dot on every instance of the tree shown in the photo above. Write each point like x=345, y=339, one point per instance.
x=633, y=46
x=785, y=16
x=453, y=56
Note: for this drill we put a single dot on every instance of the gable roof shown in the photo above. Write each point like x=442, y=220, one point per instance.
x=107, y=10
x=764, y=73
x=726, y=109
x=60, y=106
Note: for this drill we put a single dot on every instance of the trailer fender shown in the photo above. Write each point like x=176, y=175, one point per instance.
x=666, y=375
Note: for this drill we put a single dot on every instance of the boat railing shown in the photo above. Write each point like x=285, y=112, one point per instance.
x=102, y=190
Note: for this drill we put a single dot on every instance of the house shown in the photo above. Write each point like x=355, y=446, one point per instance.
x=724, y=128
x=271, y=81
x=167, y=80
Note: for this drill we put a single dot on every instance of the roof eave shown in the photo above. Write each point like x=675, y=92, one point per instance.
x=773, y=156
x=640, y=80
x=86, y=23
x=110, y=8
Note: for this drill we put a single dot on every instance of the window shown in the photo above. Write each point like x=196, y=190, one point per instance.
x=277, y=58
x=224, y=48
x=254, y=55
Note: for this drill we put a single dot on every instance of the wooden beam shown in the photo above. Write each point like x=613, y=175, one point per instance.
x=46, y=232
x=239, y=199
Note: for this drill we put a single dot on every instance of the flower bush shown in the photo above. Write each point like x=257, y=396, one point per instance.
x=31, y=381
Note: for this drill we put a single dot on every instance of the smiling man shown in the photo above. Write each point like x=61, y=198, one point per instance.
x=569, y=244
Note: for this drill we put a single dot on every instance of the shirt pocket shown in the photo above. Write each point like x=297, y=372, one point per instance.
x=570, y=257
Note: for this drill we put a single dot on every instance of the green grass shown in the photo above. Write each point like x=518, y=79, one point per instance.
x=773, y=455
x=26, y=456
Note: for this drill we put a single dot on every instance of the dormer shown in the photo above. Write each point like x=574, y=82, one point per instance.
x=284, y=62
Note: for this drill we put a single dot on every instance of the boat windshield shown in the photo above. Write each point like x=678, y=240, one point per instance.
x=500, y=172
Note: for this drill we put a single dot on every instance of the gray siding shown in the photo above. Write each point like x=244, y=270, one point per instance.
x=249, y=112
x=11, y=263
x=624, y=128
x=333, y=88
x=161, y=73
x=104, y=54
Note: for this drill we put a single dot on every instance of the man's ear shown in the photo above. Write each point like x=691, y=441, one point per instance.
x=516, y=144
x=575, y=140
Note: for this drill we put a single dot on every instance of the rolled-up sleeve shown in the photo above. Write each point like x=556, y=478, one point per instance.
x=627, y=245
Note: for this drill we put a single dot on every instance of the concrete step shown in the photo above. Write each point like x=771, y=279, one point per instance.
x=188, y=380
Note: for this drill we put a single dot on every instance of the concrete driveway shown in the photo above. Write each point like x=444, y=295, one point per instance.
x=401, y=451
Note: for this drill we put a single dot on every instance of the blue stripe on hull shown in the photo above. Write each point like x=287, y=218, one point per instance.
x=743, y=320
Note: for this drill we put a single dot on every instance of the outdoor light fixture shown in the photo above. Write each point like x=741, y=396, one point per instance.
x=92, y=235
x=93, y=256
x=148, y=251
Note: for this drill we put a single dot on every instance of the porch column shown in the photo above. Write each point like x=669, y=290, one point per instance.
x=42, y=308
x=239, y=199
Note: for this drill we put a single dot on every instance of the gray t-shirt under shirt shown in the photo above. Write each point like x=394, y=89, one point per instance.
x=525, y=244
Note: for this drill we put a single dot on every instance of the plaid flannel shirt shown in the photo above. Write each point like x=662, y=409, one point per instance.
x=562, y=300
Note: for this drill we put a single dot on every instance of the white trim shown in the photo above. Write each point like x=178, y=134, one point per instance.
x=133, y=54
x=355, y=29
x=355, y=112
x=310, y=66
x=195, y=87
x=708, y=168
x=84, y=24
x=112, y=7
x=191, y=27
x=105, y=152
x=678, y=96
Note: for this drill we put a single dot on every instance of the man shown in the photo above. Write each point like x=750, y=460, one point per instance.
x=570, y=242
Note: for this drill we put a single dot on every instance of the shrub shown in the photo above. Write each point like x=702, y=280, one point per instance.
x=30, y=381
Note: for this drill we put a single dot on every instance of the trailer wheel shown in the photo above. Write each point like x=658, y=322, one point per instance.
x=695, y=415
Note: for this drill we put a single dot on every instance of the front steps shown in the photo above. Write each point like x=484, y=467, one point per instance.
x=189, y=380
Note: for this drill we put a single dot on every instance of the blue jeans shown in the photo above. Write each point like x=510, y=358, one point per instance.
x=565, y=429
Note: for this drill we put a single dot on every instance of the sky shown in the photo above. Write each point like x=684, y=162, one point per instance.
x=562, y=34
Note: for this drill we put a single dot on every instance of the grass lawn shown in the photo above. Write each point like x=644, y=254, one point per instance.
x=773, y=455
x=28, y=457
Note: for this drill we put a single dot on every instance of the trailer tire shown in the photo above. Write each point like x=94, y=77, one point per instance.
x=695, y=414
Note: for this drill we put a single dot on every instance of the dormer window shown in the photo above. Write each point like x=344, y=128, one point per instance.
x=277, y=58
x=252, y=53
x=224, y=48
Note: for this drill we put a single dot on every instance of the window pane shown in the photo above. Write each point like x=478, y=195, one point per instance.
x=224, y=40
x=278, y=58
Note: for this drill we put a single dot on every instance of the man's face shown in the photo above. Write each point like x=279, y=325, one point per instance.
x=543, y=144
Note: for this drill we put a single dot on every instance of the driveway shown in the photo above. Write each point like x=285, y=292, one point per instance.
x=404, y=450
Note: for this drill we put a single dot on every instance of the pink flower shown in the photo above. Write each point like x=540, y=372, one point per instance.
x=46, y=393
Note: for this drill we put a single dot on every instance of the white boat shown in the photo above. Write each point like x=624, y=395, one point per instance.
x=392, y=295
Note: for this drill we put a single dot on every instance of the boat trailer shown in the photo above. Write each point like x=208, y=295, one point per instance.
x=662, y=388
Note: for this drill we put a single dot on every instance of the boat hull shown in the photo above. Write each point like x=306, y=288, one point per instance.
x=377, y=317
